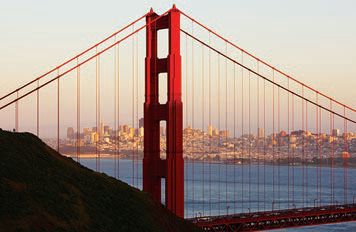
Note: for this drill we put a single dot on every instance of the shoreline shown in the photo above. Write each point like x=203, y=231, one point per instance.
x=122, y=157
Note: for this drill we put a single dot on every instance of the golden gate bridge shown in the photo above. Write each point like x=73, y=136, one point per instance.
x=222, y=95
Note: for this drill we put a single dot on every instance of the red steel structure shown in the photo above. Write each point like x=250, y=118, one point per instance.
x=278, y=219
x=172, y=168
x=300, y=100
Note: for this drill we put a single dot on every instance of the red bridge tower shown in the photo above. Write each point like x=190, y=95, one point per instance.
x=172, y=168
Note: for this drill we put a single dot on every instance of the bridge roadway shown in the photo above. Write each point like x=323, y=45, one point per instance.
x=278, y=218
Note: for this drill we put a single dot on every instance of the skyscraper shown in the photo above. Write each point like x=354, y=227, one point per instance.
x=141, y=122
x=70, y=133
x=141, y=131
x=210, y=130
x=261, y=133
x=162, y=131
x=106, y=130
x=125, y=128
x=224, y=133
x=132, y=132
x=336, y=132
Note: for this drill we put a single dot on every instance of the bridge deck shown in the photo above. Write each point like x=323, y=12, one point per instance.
x=278, y=218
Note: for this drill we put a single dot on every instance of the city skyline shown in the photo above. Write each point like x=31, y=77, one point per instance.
x=217, y=146
x=321, y=74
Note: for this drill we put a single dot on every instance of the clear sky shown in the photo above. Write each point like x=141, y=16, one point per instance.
x=313, y=40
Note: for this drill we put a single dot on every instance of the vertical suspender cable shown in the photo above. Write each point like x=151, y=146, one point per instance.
x=317, y=146
x=96, y=110
x=78, y=112
x=133, y=108
x=332, y=153
x=331, y=141
x=234, y=138
x=17, y=112
x=38, y=109
x=289, y=135
x=293, y=150
x=258, y=137
x=137, y=119
x=345, y=157
x=320, y=156
x=210, y=124
x=242, y=134
x=307, y=156
x=219, y=179
x=332, y=162
x=118, y=110
x=249, y=140
x=99, y=115
x=264, y=144
x=186, y=190
x=58, y=112
x=303, y=151
x=193, y=129
x=203, y=124
x=115, y=108
x=273, y=140
x=226, y=158
x=279, y=146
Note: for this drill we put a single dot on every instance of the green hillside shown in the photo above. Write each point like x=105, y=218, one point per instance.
x=40, y=190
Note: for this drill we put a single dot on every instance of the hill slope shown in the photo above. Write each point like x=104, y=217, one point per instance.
x=40, y=190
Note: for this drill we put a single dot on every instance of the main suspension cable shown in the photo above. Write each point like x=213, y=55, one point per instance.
x=263, y=62
x=272, y=82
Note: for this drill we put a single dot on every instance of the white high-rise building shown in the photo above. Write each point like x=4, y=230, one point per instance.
x=210, y=130
x=261, y=133
x=336, y=132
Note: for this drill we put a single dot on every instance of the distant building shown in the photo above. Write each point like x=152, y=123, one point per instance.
x=282, y=133
x=70, y=133
x=298, y=133
x=293, y=146
x=87, y=138
x=346, y=135
x=336, y=132
x=94, y=137
x=322, y=136
x=141, y=123
x=106, y=139
x=188, y=130
x=132, y=132
x=292, y=139
x=224, y=133
x=106, y=130
x=101, y=128
x=87, y=131
x=261, y=133
x=210, y=130
x=163, y=131
x=125, y=128
x=141, y=131
x=331, y=139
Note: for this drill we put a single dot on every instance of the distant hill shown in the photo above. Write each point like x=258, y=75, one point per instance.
x=40, y=190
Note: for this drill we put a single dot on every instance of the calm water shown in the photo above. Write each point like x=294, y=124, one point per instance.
x=216, y=189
